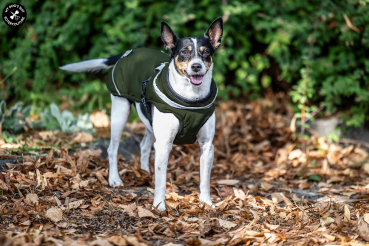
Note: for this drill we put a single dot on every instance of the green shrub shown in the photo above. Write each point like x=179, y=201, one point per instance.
x=64, y=121
x=265, y=44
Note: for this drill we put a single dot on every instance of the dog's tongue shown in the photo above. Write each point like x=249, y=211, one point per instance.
x=196, y=79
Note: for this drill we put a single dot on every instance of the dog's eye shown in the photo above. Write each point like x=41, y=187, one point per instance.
x=206, y=52
x=184, y=52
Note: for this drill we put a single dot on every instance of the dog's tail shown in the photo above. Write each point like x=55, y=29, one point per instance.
x=92, y=65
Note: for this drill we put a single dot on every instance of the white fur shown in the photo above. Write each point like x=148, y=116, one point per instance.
x=205, y=139
x=195, y=43
x=183, y=86
x=165, y=127
x=120, y=110
x=196, y=60
x=84, y=66
x=147, y=141
x=163, y=131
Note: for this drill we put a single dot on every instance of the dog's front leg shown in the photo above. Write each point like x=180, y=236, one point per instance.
x=205, y=138
x=165, y=128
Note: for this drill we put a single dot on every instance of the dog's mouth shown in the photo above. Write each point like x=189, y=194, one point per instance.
x=195, y=79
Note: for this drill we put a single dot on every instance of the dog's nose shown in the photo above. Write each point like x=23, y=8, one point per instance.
x=196, y=67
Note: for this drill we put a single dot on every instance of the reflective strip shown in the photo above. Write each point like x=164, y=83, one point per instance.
x=112, y=73
x=174, y=104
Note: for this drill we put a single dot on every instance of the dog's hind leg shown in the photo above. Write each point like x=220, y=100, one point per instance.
x=145, y=147
x=148, y=139
x=120, y=110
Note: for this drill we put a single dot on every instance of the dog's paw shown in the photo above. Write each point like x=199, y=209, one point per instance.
x=207, y=200
x=115, y=181
x=161, y=206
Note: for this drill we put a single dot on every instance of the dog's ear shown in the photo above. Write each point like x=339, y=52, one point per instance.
x=215, y=32
x=169, y=37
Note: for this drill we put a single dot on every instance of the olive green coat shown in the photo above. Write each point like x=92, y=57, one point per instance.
x=142, y=64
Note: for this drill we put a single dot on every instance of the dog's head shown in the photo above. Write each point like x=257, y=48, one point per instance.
x=193, y=56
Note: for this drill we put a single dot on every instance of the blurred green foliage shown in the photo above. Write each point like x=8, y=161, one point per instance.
x=14, y=119
x=265, y=45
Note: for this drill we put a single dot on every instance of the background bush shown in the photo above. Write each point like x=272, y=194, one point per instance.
x=265, y=45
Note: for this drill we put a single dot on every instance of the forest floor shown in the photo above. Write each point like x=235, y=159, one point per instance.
x=265, y=189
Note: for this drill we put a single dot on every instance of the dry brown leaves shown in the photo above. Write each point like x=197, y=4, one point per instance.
x=259, y=170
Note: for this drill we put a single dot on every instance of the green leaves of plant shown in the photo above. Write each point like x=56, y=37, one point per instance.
x=52, y=119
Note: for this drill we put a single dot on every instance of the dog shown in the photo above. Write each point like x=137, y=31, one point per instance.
x=174, y=97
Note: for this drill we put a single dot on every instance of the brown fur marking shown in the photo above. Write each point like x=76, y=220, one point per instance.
x=202, y=49
x=208, y=64
x=189, y=48
x=181, y=66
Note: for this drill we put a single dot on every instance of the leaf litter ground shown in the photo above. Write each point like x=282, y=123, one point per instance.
x=265, y=189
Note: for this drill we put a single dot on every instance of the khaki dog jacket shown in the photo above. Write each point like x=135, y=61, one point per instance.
x=141, y=75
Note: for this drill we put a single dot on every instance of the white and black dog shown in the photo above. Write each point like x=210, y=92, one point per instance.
x=190, y=75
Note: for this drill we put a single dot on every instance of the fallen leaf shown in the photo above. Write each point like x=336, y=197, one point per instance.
x=26, y=223
x=3, y=185
x=366, y=167
x=266, y=186
x=75, y=204
x=82, y=137
x=346, y=215
x=144, y=213
x=239, y=194
x=297, y=153
x=366, y=217
x=46, y=134
x=169, y=233
x=253, y=233
x=338, y=221
x=226, y=224
x=133, y=240
x=286, y=200
x=335, y=179
x=326, y=221
x=54, y=214
x=32, y=198
x=117, y=240
x=282, y=215
x=130, y=210
x=151, y=190
x=227, y=182
x=326, y=235
x=363, y=228
x=270, y=227
x=98, y=242
x=100, y=119
x=50, y=175
x=277, y=198
x=100, y=177
x=226, y=191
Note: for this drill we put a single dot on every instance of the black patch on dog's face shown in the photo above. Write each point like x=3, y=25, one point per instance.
x=186, y=50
